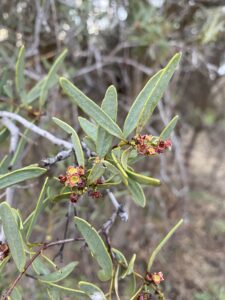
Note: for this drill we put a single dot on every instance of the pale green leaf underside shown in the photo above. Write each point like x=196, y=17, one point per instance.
x=89, y=128
x=94, y=292
x=166, y=133
x=74, y=138
x=20, y=175
x=137, y=192
x=157, y=92
x=13, y=235
x=20, y=85
x=161, y=244
x=133, y=115
x=96, y=246
x=50, y=77
x=91, y=108
x=59, y=274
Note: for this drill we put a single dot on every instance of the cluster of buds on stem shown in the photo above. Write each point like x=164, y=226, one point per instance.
x=149, y=145
x=4, y=250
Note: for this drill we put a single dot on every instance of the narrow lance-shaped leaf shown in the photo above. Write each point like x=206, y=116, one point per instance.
x=119, y=166
x=91, y=108
x=157, y=92
x=74, y=138
x=96, y=246
x=96, y=172
x=20, y=175
x=116, y=282
x=143, y=179
x=137, y=192
x=59, y=274
x=134, y=113
x=69, y=290
x=37, y=210
x=50, y=77
x=109, y=106
x=89, y=128
x=13, y=235
x=161, y=244
x=20, y=88
x=130, y=267
x=35, y=92
x=94, y=292
x=169, y=128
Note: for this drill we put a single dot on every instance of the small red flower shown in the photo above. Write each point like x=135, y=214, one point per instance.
x=154, y=277
x=74, y=198
x=95, y=194
x=62, y=178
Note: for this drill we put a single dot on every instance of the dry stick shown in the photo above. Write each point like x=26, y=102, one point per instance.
x=44, y=247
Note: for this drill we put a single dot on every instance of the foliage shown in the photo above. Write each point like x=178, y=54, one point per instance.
x=110, y=164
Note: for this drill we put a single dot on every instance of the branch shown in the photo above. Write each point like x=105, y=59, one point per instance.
x=14, y=132
x=52, y=138
x=57, y=141
x=6, y=295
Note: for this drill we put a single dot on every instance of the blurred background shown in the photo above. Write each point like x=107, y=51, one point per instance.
x=124, y=43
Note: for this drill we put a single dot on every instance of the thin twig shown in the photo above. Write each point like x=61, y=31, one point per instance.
x=29, y=263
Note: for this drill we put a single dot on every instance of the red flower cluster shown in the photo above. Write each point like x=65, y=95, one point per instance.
x=74, y=177
x=154, y=277
x=4, y=251
x=149, y=145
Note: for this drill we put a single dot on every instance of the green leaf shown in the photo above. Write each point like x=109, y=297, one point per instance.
x=3, y=263
x=20, y=148
x=38, y=209
x=50, y=77
x=89, y=143
x=157, y=92
x=89, y=128
x=96, y=172
x=109, y=106
x=111, y=168
x=4, y=133
x=96, y=246
x=40, y=267
x=116, y=287
x=119, y=166
x=16, y=294
x=103, y=143
x=161, y=244
x=74, y=138
x=67, y=289
x=120, y=257
x=137, y=192
x=20, y=74
x=20, y=175
x=130, y=267
x=13, y=235
x=91, y=108
x=53, y=293
x=133, y=115
x=143, y=179
x=165, y=134
x=35, y=92
x=124, y=158
x=110, y=103
x=59, y=274
x=94, y=292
